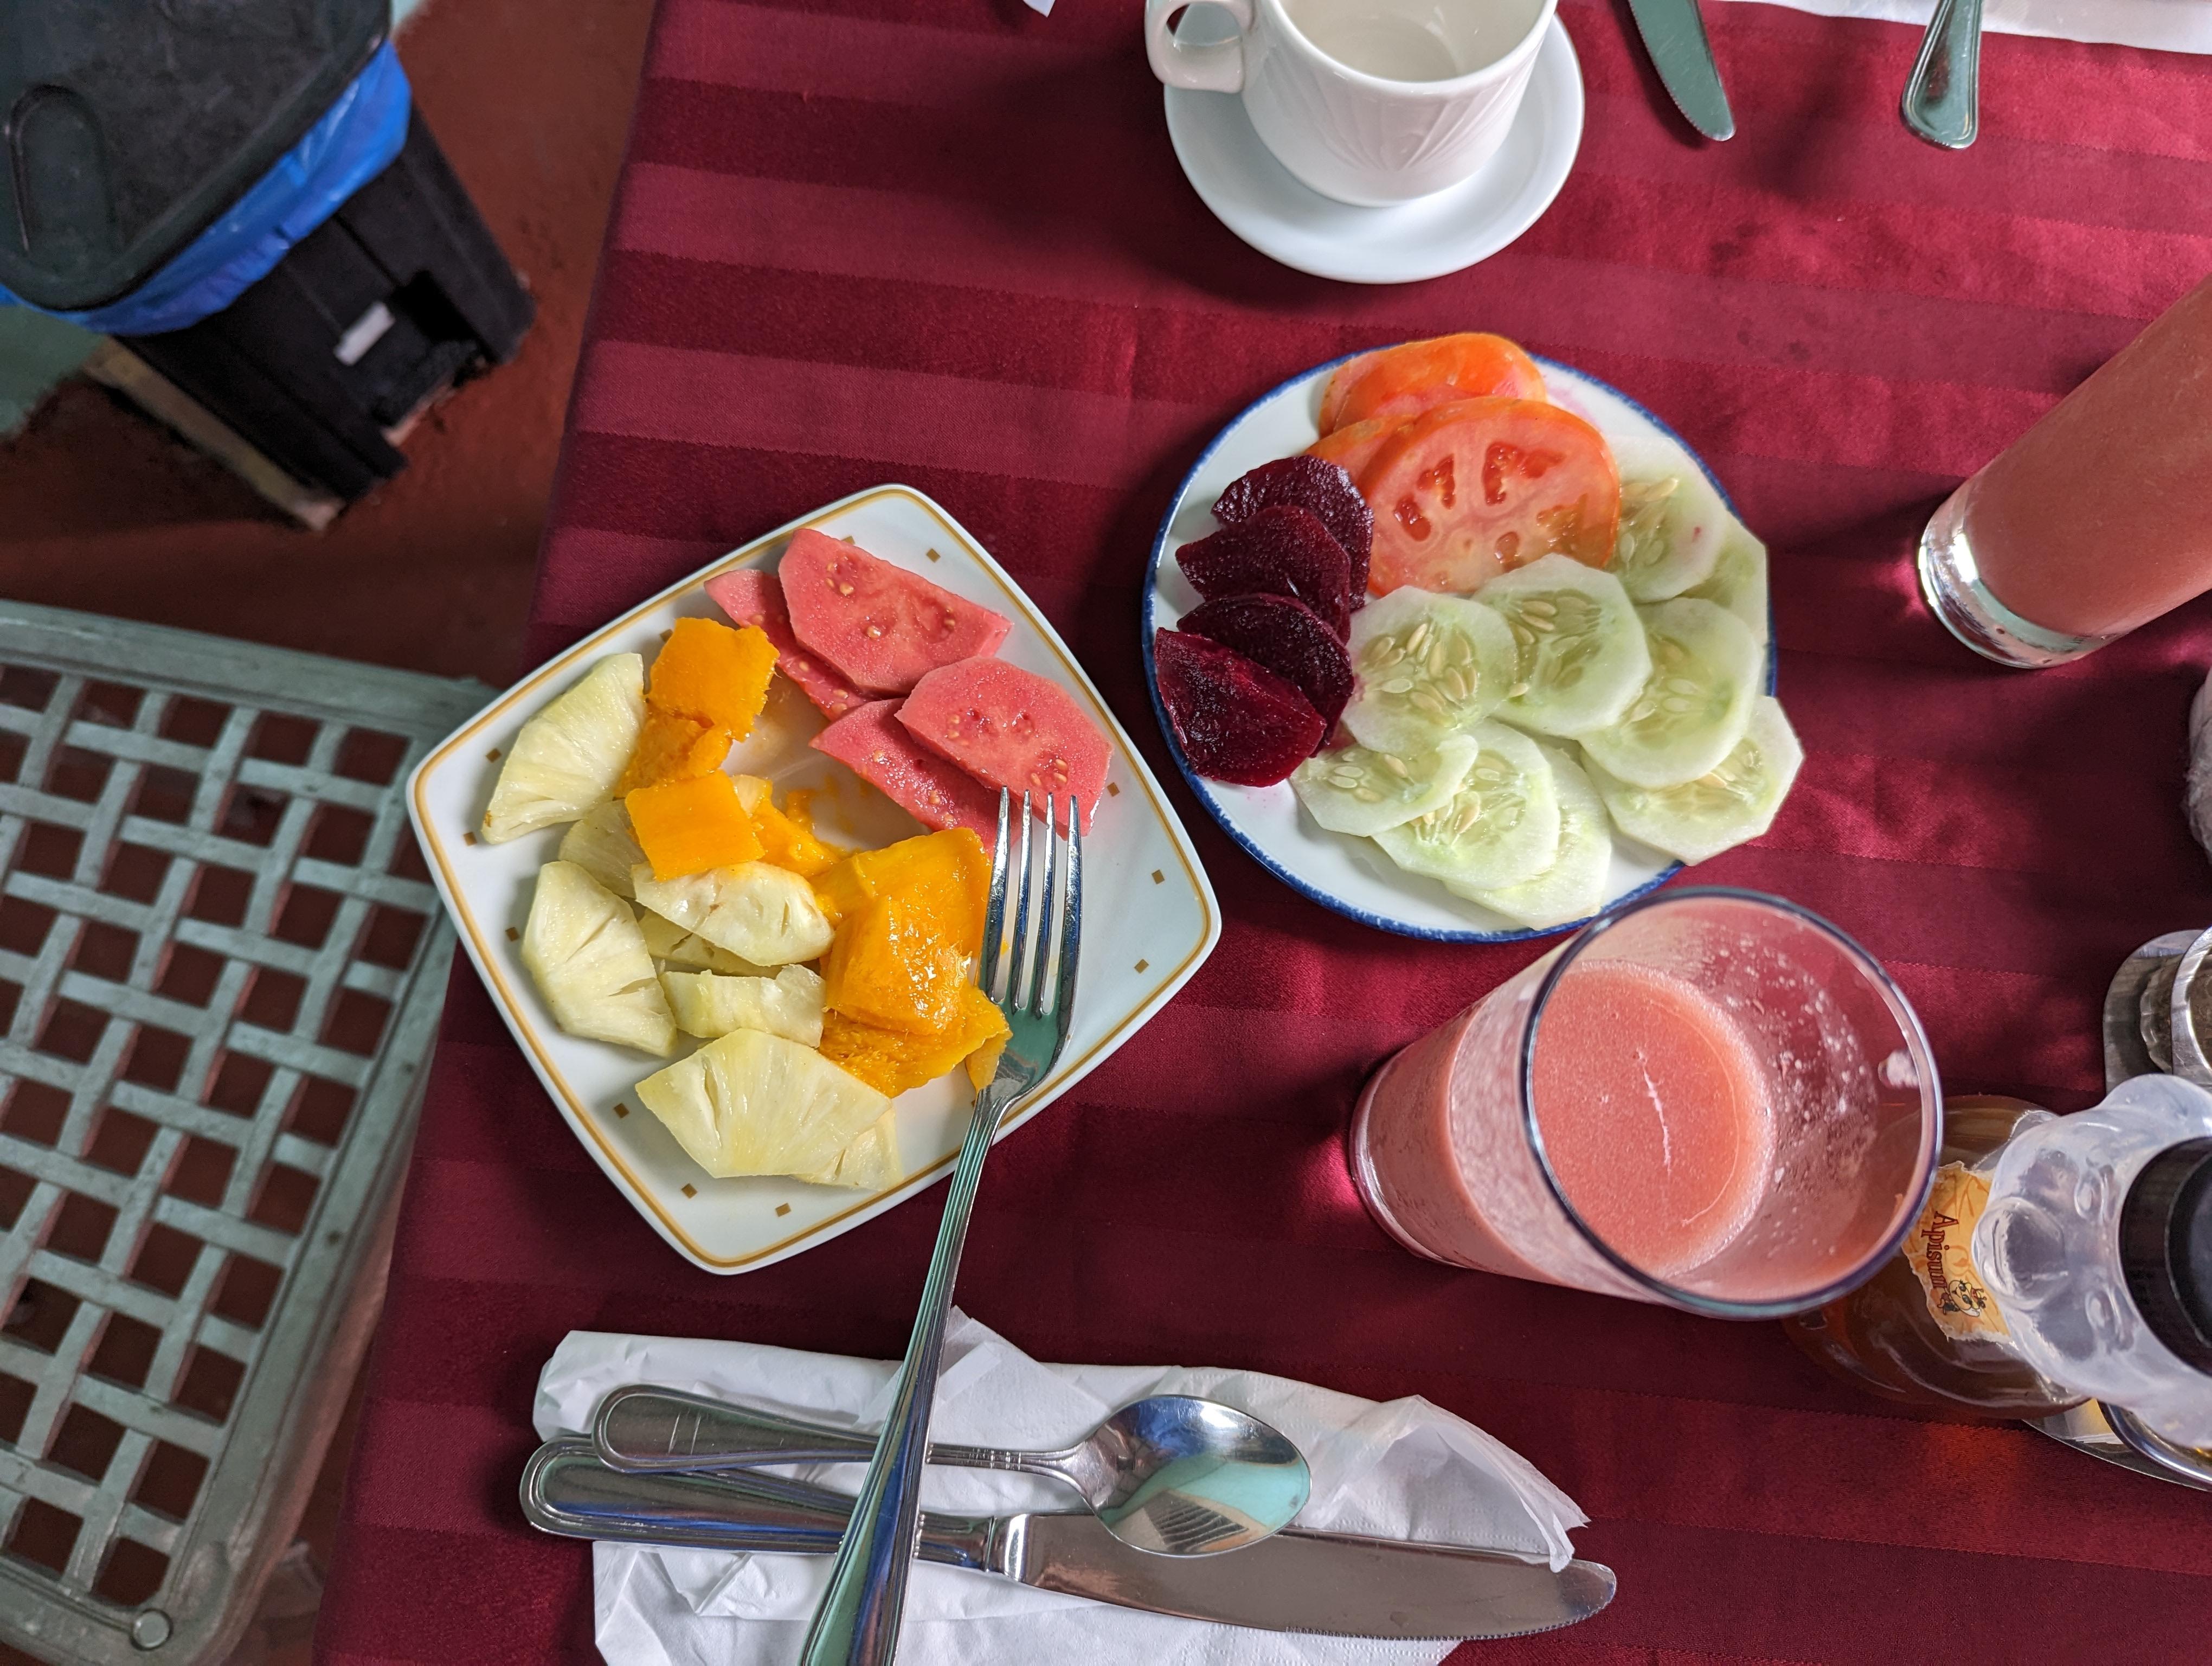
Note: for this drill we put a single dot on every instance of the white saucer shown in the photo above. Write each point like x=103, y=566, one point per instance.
x=1255, y=197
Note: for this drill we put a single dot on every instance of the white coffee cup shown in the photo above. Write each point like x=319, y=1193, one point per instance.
x=1369, y=101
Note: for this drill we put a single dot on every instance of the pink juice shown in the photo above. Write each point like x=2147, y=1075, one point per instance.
x=1653, y=1113
x=2098, y=518
x=1653, y=1109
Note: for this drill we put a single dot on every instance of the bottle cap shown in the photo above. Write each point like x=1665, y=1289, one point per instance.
x=2166, y=1248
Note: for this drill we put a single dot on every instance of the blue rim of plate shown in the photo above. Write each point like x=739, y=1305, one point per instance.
x=1203, y=788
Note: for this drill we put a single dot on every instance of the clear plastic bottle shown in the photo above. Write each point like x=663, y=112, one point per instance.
x=2059, y=1259
x=2096, y=1243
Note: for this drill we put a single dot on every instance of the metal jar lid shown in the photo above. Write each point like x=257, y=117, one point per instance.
x=2166, y=1248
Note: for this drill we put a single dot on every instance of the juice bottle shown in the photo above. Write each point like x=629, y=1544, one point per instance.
x=1885, y=1336
x=2058, y=1259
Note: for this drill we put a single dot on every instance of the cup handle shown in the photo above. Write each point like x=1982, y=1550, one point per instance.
x=1215, y=68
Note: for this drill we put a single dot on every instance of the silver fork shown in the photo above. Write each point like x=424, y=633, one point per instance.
x=858, y=1622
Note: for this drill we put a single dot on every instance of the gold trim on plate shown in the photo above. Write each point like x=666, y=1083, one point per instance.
x=581, y=1115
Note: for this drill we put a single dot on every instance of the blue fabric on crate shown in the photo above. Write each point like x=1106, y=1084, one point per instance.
x=356, y=140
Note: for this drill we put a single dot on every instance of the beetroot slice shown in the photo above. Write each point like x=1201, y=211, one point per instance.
x=1282, y=551
x=1312, y=484
x=1283, y=636
x=1235, y=720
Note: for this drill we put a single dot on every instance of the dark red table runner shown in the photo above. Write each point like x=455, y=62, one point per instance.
x=945, y=242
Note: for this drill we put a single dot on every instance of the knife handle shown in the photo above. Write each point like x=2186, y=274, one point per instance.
x=566, y=1490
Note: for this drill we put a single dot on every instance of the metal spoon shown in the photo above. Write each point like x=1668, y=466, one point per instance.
x=2119, y=1436
x=1183, y=1476
x=1943, y=100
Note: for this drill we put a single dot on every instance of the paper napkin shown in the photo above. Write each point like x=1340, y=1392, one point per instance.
x=1403, y=1469
x=2173, y=25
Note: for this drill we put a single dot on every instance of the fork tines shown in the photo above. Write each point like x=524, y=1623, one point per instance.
x=1040, y=954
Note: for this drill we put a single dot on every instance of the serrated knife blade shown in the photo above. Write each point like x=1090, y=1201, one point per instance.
x=1321, y=1584
x=1674, y=35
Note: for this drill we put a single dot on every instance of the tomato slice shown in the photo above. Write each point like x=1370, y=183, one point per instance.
x=1470, y=490
x=1353, y=448
x=1340, y=383
x=1404, y=382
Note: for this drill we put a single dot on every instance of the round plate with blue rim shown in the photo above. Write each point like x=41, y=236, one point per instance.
x=1353, y=876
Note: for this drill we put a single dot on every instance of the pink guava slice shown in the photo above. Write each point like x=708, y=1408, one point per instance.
x=880, y=627
x=1012, y=729
x=752, y=597
x=1234, y=721
x=871, y=742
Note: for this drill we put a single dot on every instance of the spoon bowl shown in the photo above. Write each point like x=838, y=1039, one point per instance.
x=1170, y=1474
x=1185, y=1476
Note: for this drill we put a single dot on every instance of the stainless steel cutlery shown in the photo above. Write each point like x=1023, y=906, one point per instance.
x=1170, y=1472
x=1325, y=1583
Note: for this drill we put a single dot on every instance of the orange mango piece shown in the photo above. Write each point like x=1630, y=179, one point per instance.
x=892, y=1060
x=892, y=965
x=909, y=917
x=712, y=674
x=673, y=748
x=840, y=891
x=952, y=866
x=983, y=1062
x=789, y=842
x=690, y=826
x=949, y=874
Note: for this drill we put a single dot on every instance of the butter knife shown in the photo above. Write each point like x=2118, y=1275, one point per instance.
x=1674, y=35
x=1329, y=1585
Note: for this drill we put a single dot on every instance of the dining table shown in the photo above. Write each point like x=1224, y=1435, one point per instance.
x=947, y=243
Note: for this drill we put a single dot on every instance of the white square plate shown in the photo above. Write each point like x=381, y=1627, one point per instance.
x=1149, y=914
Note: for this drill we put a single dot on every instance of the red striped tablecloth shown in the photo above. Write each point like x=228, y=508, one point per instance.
x=945, y=242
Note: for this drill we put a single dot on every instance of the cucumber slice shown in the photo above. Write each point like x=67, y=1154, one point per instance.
x=1580, y=651
x=1721, y=808
x=1672, y=521
x=1739, y=580
x=1361, y=791
x=1574, y=887
x=1689, y=716
x=1501, y=828
x=1429, y=665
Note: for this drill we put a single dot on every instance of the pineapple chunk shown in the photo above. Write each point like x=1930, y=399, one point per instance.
x=789, y=1004
x=568, y=757
x=603, y=845
x=757, y=1103
x=667, y=941
x=871, y=1161
x=583, y=947
x=767, y=915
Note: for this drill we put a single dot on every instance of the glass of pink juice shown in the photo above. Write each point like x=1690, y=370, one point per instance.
x=1709, y=1099
x=2099, y=519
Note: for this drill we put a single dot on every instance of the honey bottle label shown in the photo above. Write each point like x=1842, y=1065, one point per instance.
x=1939, y=1247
